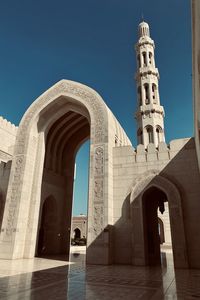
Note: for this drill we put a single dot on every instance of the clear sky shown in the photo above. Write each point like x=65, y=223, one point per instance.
x=92, y=42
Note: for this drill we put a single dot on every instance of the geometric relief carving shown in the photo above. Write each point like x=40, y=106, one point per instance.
x=98, y=117
x=14, y=195
x=90, y=99
x=23, y=149
x=95, y=106
x=99, y=163
x=98, y=189
x=98, y=219
x=98, y=212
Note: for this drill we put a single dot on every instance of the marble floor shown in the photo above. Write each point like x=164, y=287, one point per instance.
x=56, y=279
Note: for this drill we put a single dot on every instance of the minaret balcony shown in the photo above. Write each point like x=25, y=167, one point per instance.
x=145, y=71
x=144, y=41
x=143, y=109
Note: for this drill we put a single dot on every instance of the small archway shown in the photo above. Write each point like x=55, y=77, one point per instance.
x=154, y=93
x=77, y=233
x=143, y=189
x=48, y=230
x=144, y=55
x=152, y=200
x=159, y=133
x=150, y=136
x=150, y=58
x=146, y=90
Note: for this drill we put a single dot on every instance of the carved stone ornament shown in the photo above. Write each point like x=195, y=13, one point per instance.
x=97, y=110
x=99, y=164
x=14, y=195
x=98, y=219
x=98, y=190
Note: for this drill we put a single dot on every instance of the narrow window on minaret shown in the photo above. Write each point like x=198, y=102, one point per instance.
x=138, y=60
x=139, y=136
x=150, y=134
x=146, y=88
x=158, y=132
x=154, y=88
x=150, y=58
x=139, y=95
x=144, y=59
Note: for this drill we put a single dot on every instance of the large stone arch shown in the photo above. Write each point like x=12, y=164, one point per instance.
x=140, y=186
x=19, y=228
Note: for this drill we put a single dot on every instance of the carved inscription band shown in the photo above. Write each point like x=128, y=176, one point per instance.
x=98, y=190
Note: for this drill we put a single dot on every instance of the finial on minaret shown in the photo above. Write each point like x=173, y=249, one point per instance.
x=150, y=114
x=143, y=29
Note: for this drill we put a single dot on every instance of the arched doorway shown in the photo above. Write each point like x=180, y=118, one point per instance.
x=146, y=193
x=49, y=135
x=48, y=235
x=63, y=138
x=152, y=200
x=77, y=233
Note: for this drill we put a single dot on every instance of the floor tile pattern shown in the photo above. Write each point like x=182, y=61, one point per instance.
x=76, y=281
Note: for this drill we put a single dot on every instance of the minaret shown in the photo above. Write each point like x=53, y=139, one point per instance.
x=150, y=114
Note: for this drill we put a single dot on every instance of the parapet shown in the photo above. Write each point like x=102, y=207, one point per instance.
x=8, y=134
x=163, y=152
x=8, y=126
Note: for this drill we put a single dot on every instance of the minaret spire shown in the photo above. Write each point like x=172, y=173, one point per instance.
x=150, y=114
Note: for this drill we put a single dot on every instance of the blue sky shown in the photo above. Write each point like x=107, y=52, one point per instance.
x=92, y=42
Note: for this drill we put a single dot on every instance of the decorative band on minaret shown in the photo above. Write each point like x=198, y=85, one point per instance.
x=150, y=114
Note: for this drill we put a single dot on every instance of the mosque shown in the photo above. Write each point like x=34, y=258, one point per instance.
x=135, y=194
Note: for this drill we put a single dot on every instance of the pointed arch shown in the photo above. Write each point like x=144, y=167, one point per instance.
x=48, y=233
x=140, y=186
x=159, y=133
x=140, y=136
x=65, y=101
x=149, y=131
x=155, y=93
x=77, y=233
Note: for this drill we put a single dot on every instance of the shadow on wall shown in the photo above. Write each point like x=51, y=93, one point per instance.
x=2, y=205
x=127, y=241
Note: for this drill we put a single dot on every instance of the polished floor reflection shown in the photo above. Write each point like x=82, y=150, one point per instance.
x=57, y=279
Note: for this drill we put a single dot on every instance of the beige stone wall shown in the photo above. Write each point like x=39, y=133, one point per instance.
x=79, y=222
x=8, y=133
x=176, y=162
x=114, y=172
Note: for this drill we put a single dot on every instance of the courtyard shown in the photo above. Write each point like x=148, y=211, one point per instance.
x=57, y=279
